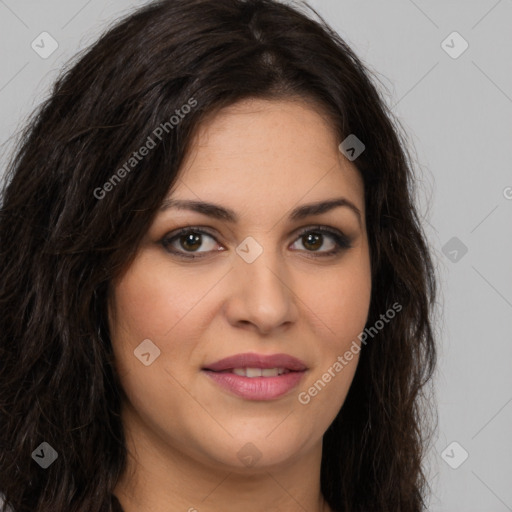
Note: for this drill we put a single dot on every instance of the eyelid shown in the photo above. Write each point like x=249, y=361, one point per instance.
x=341, y=240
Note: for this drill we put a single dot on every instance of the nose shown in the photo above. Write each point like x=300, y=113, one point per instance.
x=261, y=295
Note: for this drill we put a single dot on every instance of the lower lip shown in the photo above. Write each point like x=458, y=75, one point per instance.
x=256, y=388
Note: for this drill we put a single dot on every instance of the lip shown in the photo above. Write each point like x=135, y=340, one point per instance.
x=253, y=360
x=257, y=388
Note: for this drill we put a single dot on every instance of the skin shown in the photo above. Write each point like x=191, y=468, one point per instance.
x=261, y=159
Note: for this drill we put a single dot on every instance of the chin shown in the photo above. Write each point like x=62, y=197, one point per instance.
x=255, y=449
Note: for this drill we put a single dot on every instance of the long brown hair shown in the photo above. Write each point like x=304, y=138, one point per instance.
x=61, y=245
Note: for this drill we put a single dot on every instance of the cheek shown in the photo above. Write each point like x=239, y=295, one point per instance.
x=341, y=300
x=339, y=311
x=148, y=305
x=151, y=301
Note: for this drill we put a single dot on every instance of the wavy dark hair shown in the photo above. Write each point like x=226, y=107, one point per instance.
x=61, y=246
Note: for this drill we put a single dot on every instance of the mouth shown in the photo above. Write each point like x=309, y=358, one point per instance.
x=255, y=372
x=257, y=377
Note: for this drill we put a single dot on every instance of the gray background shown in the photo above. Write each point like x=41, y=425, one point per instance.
x=457, y=113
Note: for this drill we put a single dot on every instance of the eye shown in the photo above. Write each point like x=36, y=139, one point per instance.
x=313, y=238
x=185, y=242
x=189, y=238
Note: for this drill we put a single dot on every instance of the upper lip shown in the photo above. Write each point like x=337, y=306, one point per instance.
x=252, y=360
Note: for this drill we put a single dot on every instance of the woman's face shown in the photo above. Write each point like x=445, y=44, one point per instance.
x=257, y=286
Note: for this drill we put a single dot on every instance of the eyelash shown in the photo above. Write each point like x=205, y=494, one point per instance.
x=341, y=240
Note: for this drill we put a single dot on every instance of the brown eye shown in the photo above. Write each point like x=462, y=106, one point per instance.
x=191, y=241
x=314, y=238
x=187, y=240
x=313, y=241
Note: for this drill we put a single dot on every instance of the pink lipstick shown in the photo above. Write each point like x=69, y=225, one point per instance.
x=256, y=376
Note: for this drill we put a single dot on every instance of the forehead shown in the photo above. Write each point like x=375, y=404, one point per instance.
x=270, y=152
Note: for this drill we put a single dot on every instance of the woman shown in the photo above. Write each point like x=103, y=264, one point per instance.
x=283, y=366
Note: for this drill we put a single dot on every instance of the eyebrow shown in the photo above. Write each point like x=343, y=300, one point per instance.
x=221, y=213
